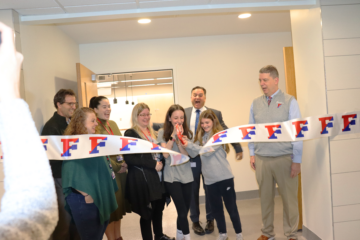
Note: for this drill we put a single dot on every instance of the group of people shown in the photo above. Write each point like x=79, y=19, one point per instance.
x=94, y=194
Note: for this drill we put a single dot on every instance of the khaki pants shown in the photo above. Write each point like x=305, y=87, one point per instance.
x=269, y=171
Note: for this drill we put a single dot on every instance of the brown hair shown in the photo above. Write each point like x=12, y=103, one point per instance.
x=169, y=128
x=138, y=108
x=209, y=114
x=270, y=69
x=60, y=96
x=77, y=123
x=198, y=87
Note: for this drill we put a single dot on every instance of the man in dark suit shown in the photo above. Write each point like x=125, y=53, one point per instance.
x=198, y=98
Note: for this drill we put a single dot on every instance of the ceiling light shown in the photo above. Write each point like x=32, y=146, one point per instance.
x=144, y=20
x=164, y=83
x=163, y=78
x=245, y=15
x=139, y=80
x=143, y=85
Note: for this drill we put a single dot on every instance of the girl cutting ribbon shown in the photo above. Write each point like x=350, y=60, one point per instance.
x=219, y=180
x=178, y=179
x=102, y=108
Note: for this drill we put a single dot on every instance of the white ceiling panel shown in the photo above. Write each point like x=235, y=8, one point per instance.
x=177, y=26
x=40, y=11
x=92, y=2
x=18, y=4
x=239, y=1
x=171, y=3
x=100, y=8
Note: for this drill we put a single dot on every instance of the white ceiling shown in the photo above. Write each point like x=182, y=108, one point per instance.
x=177, y=26
x=91, y=21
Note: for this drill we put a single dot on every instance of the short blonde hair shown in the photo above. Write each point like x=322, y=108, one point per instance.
x=138, y=108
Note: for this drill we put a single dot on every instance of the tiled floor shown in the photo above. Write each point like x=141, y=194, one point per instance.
x=250, y=216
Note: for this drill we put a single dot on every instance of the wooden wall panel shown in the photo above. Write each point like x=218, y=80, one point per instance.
x=86, y=88
x=291, y=89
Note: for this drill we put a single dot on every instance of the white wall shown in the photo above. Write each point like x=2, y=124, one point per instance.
x=50, y=58
x=341, y=37
x=227, y=66
x=311, y=93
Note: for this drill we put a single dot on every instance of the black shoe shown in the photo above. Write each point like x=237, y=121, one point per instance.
x=165, y=237
x=209, y=226
x=198, y=229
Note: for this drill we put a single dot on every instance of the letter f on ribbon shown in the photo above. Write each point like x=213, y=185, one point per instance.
x=299, y=127
x=246, y=133
x=95, y=144
x=67, y=147
x=126, y=142
x=347, y=122
x=272, y=132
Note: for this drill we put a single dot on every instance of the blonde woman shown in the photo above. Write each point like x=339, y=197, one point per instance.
x=144, y=185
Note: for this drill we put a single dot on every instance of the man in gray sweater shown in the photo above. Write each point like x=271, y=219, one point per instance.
x=277, y=162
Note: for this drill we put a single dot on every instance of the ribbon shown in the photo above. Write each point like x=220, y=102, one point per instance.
x=293, y=130
x=94, y=145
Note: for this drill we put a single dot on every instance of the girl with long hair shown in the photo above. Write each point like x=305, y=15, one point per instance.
x=178, y=179
x=88, y=184
x=102, y=108
x=219, y=180
x=145, y=183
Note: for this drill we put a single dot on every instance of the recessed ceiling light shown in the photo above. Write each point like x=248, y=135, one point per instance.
x=144, y=20
x=245, y=15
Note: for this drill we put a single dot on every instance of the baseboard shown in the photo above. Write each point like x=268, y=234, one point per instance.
x=308, y=234
x=240, y=195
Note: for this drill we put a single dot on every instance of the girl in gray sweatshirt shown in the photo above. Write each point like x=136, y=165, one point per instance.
x=218, y=178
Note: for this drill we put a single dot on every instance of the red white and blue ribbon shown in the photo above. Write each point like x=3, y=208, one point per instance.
x=94, y=145
x=293, y=130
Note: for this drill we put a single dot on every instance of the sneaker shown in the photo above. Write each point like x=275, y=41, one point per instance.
x=222, y=236
x=239, y=236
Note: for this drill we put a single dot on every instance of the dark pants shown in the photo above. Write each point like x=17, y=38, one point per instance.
x=194, y=204
x=224, y=190
x=181, y=195
x=157, y=208
x=86, y=217
x=65, y=229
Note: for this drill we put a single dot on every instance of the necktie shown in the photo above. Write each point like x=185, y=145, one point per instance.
x=269, y=100
x=197, y=119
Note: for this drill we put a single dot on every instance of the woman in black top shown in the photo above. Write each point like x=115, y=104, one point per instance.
x=144, y=185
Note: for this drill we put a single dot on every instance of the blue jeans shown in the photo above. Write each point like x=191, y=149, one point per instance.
x=86, y=217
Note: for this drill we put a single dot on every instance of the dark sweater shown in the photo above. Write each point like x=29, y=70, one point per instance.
x=55, y=126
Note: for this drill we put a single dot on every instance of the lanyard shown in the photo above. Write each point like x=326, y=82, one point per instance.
x=105, y=127
x=145, y=134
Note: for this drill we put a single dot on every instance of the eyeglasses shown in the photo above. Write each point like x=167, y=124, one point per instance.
x=145, y=115
x=72, y=104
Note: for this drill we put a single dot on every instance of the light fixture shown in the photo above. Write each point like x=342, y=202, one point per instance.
x=132, y=95
x=139, y=80
x=104, y=84
x=144, y=20
x=126, y=101
x=143, y=85
x=164, y=83
x=163, y=78
x=245, y=15
x=115, y=100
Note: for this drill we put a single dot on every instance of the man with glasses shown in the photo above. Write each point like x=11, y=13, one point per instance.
x=65, y=103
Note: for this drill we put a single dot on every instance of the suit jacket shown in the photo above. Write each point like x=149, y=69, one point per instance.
x=188, y=112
